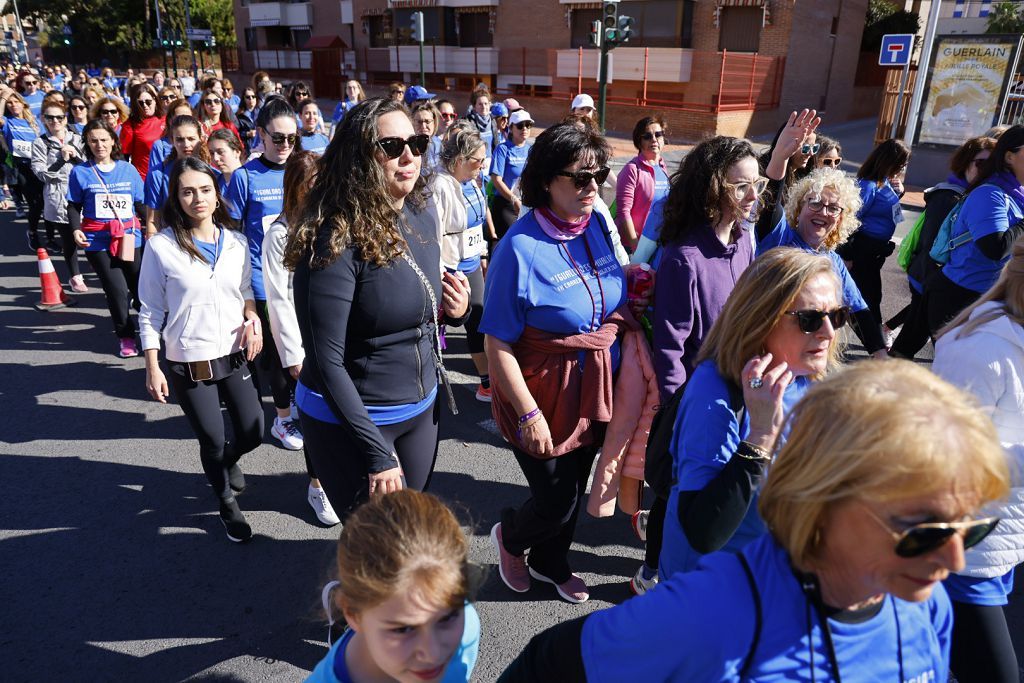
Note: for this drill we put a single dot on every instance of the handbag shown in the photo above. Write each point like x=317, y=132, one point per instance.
x=122, y=241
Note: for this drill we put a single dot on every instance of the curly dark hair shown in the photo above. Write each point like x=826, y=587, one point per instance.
x=174, y=215
x=698, y=188
x=559, y=146
x=349, y=204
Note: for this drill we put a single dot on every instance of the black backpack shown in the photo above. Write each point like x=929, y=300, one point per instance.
x=658, y=460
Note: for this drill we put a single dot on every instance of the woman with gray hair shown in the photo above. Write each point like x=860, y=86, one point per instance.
x=869, y=505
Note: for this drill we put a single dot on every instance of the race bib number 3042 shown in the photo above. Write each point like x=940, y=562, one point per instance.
x=111, y=206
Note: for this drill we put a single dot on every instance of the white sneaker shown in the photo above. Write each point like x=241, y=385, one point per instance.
x=294, y=409
x=639, y=522
x=321, y=506
x=287, y=432
x=639, y=585
x=889, y=336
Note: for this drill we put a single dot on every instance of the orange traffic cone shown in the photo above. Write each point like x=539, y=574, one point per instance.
x=53, y=294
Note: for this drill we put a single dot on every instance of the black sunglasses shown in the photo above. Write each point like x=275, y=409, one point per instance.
x=76, y=107
x=280, y=138
x=393, y=147
x=581, y=179
x=108, y=112
x=302, y=93
x=811, y=320
x=524, y=125
x=656, y=134
x=54, y=117
x=922, y=539
x=212, y=100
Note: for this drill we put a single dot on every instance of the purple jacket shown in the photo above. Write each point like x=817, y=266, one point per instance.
x=695, y=277
x=634, y=191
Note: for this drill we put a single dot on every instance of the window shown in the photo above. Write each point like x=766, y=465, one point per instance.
x=379, y=29
x=250, y=39
x=582, y=23
x=475, y=29
x=278, y=37
x=438, y=26
x=740, y=29
x=656, y=23
x=300, y=36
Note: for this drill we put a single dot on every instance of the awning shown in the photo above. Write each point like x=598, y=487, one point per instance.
x=765, y=5
x=325, y=43
x=275, y=21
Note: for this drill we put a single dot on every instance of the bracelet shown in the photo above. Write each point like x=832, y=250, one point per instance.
x=523, y=419
x=749, y=451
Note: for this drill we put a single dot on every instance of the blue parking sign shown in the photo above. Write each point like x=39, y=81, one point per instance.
x=897, y=49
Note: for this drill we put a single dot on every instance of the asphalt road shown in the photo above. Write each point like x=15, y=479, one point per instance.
x=114, y=564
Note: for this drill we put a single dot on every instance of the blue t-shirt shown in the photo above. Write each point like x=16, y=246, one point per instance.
x=35, y=102
x=159, y=152
x=975, y=590
x=314, y=142
x=661, y=184
x=880, y=211
x=784, y=236
x=532, y=281
x=123, y=182
x=699, y=626
x=155, y=187
x=255, y=197
x=341, y=109
x=194, y=98
x=509, y=161
x=986, y=210
x=315, y=405
x=332, y=668
x=704, y=438
x=234, y=102
x=476, y=214
x=19, y=135
x=652, y=228
x=78, y=127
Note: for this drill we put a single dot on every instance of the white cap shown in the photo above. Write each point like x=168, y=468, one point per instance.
x=519, y=116
x=582, y=100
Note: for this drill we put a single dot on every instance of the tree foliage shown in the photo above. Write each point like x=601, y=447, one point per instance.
x=884, y=17
x=1006, y=17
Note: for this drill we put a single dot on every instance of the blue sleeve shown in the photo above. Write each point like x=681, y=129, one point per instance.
x=460, y=669
x=704, y=439
x=499, y=160
x=75, y=192
x=236, y=194
x=775, y=238
x=984, y=212
x=505, y=301
x=942, y=620
x=339, y=111
x=138, y=193
x=151, y=190
x=652, y=226
x=851, y=292
x=867, y=193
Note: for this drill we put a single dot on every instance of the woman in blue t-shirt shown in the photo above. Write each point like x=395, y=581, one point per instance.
x=506, y=168
x=881, y=185
x=185, y=133
x=20, y=130
x=991, y=219
x=353, y=95
x=313, y=138
x=105, y=195
x=868, y=510
x=405, y=588
x=425, y=120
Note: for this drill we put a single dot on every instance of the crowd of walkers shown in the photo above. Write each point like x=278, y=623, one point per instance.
x=809, y=515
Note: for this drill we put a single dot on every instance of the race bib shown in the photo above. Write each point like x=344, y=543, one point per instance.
x=473, y=242
x=22, y=149
x=897, y=214
x=111, y=206
x=267, y=221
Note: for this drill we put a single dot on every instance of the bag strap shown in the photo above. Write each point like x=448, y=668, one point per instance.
x=758, y=616
x=105, y=190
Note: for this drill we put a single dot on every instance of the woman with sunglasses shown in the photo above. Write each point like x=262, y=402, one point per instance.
x=196, y=296
x=881, y=186
x=642, y=181
x=186, y=141
x=312, y=127
x=104, y=197
x=230, y=98
x=829, y=154
x=255, y=198
x=446, y=116
x=29, y=88
x=868, y=508
x=354, y=94
x=167, y=95
x=298, y=92
x=78, y=110
x=20, y=129
x=939, y=202
x=555, y=292
x=212, y=113
x=982, y=350
x=368, y=294
x=506, y=168
x=145, y=125
x=111, y=111
x=54, y=154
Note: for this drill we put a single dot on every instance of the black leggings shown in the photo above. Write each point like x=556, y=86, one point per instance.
x=655, y=531
x=200, y=401
x=503, y=214
x=67, y=243
x=867, y=257
x=269, y=364
x=120, y=280
x=982, y=651
x=28, y=189
x=474, y=338
x=945, y=300
x=546, y=523
x=343, y=469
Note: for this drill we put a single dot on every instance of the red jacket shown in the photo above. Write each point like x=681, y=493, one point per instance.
x=137, y=140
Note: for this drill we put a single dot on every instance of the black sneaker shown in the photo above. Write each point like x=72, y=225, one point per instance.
x=53, y=247
x=236, y=479
x=238, y=530
x=33, y=240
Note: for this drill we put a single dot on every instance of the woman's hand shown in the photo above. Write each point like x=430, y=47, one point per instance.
x=455, y=294
x=252, y=338
x=68, y=153
x=80, y=238
x=897, y=185
x=536, y=437
x=388, y=481
x=156, y=383
x=294, y=371
x=764, y=404
x=797, y=128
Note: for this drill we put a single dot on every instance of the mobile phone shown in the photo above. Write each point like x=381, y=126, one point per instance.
x=200, y=370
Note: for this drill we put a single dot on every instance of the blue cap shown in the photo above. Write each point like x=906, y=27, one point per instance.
x=416, y=93
x=498, y=109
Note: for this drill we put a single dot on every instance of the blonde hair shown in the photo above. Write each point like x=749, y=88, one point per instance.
x=26, y=111
x=404, y=541
x=1008, y=291
x=362, y=93
x=877, y=431
x=816, y=182
x=762, y=295
x=122, y=111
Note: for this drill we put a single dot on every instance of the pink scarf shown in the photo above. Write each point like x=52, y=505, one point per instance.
x=558, y=229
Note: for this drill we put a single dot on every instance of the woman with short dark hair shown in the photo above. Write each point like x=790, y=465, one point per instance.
x=642, y=181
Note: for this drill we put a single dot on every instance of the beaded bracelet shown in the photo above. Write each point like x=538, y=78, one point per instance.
x=749, y=451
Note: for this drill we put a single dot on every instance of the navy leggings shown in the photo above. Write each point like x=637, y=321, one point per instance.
x=982, y=651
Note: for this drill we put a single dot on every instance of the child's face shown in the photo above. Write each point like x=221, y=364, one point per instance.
x=408, y=640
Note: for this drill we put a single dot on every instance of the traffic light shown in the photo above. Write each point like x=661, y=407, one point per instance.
x=610, y=16
x=67, y=41
x=417, y=27
x=595, y=33
x=177, y=38
x=625, y=28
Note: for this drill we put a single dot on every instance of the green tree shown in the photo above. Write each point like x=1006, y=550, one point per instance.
x=218, y=16
x=883, y=17
x=119, y=25
x=1006, y=17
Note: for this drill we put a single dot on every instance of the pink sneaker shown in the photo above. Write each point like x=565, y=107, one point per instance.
x=128, y=348
x=573, y=590
x=78, y=284
x=512, y=568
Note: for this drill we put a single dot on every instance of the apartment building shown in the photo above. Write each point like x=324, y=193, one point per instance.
x=726, y=66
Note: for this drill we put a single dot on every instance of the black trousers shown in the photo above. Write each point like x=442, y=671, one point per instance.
x=67, y=244
x=982, y=651
x=474, y=338
x=269, y=364
x=546, y=523
x=200, y=401
x=120, y=281
x=343, y=469
x=867, y=257
x=655, y=531
x=945, y=301
x=503, y=214
x=28, y=189
x=915, y=332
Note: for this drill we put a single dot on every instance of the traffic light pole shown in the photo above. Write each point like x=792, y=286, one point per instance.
x=602, y=85
x=423, y=75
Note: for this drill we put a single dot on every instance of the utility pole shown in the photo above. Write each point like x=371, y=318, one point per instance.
x=160, y=35
x=188, y=41
x=22, y=53
x=417, y=35
x=615, y=31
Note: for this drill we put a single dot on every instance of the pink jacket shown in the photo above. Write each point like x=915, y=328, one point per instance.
x=634, y=192
x=620, y=469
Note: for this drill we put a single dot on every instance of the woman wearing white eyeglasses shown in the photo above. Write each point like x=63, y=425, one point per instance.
x=643, y=180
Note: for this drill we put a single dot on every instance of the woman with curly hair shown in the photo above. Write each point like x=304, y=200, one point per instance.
x=368, y=292
x=111, y=111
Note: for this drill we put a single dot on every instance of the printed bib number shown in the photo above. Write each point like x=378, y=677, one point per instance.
x=897, y=214
x=111, y=206
x=22, y=149
x=473, y=242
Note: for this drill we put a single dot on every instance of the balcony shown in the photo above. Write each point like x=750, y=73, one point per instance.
x=436, y=59
x=280, y=14
x=669, y=65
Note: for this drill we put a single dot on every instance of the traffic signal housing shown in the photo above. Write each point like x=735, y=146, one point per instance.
x=417, y=27
x=610, y=17
x=625, y=28
x=596, y=33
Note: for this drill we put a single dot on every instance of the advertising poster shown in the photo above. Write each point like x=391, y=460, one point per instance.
x=966, y=87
